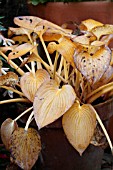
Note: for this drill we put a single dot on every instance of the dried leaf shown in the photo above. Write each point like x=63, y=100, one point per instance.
x=50, y=102
x=65, y=47
x=89, y=24
x=93, y=62
x=81, y=39
x=98, y=43
x=31, y=22
x=25, y=147
x=21, y=39
x=30, y=83
x=105, y=78
x=102, y=30
x=79, y=123
x=107, y=39
x=7, y=128
x=8, y=48
x=20, y=31
x=9, y=79
x=20, y=50
x=51, y=37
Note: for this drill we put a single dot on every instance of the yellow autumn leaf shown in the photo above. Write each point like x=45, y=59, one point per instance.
x=65, y=47
x=20, y=50
x=25, y=147
x=7, y=128
x=51, y=102
x=89, y=24
x=33, y=22
x=79, y=123
x=30, y=82
x=102, y=30
x=21, y=39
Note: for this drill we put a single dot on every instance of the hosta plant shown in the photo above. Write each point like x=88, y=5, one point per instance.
x=61, y=72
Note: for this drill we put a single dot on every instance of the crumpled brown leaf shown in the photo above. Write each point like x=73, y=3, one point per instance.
x=25, y=147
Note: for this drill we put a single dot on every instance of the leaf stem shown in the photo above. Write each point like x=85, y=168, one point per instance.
x=25, y=64
x=23, y=113
x=14, y=100
x=11, y=89
x=29, y=121
x=45, y=49
x=100, y=93
x=105, y=131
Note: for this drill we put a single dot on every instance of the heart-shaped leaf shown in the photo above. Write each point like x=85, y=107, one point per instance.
x=30, y=83
x=25, y=147
x=93, y=62
x=79, y=123
x=7, y=128
x=50, y=102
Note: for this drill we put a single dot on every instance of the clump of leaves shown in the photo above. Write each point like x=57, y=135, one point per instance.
x=73, y=72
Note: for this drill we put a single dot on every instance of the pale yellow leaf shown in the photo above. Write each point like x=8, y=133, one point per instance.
x=30, y=82
x=25, y=147
x=102, y=30
x=51, y=102
x=79, y=123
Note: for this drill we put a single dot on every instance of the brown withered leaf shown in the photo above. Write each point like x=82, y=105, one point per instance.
x=50, y=102
x=65, y=47
x=30, y=83
x=9, y=79
x=89, y=24
x=20, y=50
x=102, y=30
x=93, y=62
x=25, y=147
x=7, y=128
x=79, y=123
